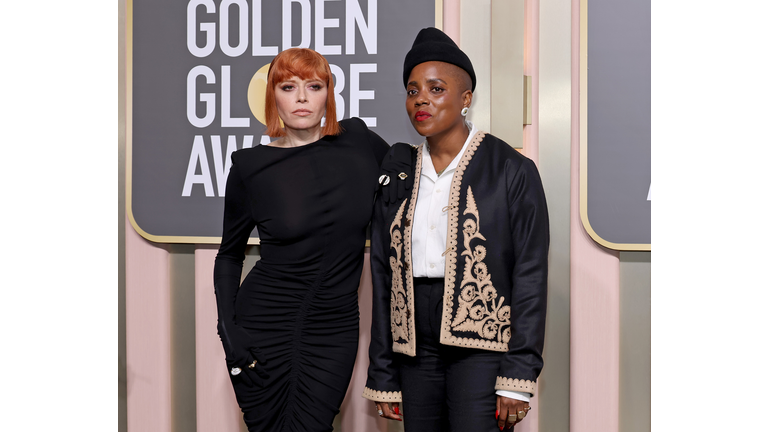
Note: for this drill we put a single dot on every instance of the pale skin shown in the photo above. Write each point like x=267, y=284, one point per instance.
x=436, y=93
x=301, y=106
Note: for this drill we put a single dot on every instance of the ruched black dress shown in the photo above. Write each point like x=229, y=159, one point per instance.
x=311, y=205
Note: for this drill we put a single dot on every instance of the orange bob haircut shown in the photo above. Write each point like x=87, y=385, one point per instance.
x=305, y=64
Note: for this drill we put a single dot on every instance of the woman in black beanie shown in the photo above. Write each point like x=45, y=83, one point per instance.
x=459, y=246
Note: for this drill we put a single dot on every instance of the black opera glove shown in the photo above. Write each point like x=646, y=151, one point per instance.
x=241, y=352
x=396, y=177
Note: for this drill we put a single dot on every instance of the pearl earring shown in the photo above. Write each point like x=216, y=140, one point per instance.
x=464, y=111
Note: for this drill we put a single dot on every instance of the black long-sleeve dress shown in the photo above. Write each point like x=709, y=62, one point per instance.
x=311, y=205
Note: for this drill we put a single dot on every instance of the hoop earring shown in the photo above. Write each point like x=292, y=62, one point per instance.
x=464, y=111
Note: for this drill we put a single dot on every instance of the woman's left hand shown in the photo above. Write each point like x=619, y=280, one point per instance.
x=510, y=411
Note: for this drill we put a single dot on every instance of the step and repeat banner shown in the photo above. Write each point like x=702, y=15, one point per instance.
x=197, y=72
x=616, y=122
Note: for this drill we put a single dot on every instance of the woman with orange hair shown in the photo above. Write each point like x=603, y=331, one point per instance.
x=290, y=329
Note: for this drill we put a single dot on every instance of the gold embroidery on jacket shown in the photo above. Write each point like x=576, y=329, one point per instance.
x=451, y=256
x=480, y=309
x=402, y=322
x=408, y=346
x=398, y=311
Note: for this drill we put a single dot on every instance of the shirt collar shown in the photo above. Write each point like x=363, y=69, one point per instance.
x=427, y=169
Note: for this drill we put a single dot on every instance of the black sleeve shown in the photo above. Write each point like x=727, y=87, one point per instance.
x=383, y=384
x=240, y=347
x=238, y=225
x=378, y=146
x=529, y=224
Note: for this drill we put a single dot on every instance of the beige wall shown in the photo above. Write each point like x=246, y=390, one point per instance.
x=597, y=347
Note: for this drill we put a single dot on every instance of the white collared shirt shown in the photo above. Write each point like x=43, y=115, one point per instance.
x=430, y=224
x=430, y=218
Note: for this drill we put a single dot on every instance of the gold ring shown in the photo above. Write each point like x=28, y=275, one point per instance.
x=252, y=365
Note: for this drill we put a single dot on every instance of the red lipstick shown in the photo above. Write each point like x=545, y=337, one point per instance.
x=422, y=115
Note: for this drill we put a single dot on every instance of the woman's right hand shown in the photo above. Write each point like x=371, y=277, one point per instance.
x=390, y=410
x=241, y=353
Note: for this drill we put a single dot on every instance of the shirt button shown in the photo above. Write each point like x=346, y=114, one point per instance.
x=431, y=266
x=432, y=228
x=438, y=191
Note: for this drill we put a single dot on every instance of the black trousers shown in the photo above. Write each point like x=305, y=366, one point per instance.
x=445, y=388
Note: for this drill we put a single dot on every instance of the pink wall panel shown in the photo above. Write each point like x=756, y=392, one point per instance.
x=217, y=409
x=452, y=19
x=357, y=413
x=594, y=335
x=594, y=299
x=147, y=335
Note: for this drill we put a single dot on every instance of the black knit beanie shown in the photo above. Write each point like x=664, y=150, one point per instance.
x=432, y=44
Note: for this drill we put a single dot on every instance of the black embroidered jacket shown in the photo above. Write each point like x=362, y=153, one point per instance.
x=495, y=264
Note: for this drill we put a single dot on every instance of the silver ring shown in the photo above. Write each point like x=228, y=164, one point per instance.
x=381, y=413
x=235, y=371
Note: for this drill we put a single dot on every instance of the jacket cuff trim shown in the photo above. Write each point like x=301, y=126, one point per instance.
x=449, y=339
x=381, y=396
x=516, y=385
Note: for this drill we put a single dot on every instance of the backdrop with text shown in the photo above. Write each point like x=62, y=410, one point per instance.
x=197, y=71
